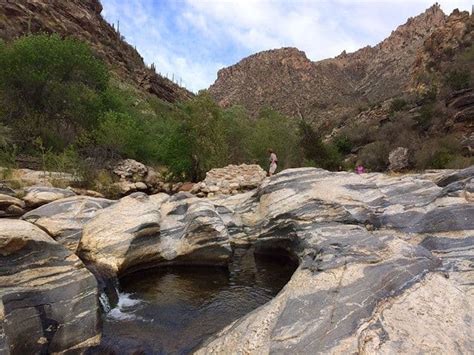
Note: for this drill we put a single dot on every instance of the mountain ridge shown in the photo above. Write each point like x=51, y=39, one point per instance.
x=82, y=19
x=286, y=80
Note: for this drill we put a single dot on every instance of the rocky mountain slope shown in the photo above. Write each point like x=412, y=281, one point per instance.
x=82, y=19
x=330, y=91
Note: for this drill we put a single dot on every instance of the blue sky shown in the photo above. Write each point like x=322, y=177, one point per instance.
x=192, y=39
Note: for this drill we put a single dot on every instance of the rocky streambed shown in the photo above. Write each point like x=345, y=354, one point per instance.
x=386, y=263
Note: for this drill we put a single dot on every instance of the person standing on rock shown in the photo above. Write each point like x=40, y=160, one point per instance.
x=273, y=162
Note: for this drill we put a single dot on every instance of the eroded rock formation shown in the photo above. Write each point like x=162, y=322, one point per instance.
x=385, y=261
x=64, y=219
x=155, y=230
x=231, y=179
x=48, y=299
x=362, y=242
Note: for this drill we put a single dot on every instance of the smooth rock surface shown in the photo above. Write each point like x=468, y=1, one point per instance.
x=41, y=195
x=368, y=277
x=144, y=230
x=11, y=206
x=64, y=219
x=48, y=299
x=380, y=257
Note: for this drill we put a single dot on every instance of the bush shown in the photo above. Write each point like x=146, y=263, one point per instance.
x=239, y=131
x=425, y=117
x=458, y=79
x=104, y=183
x=374, y=156
x=440, y=153
x=205, y=127
x=397, y=104
x=323, y=155
x=52, y=88
x=5, y=135
x=343, y=144
x=278, y=132
x=69, y=161
x=119, y=132
x=175, y=149
x=359, y=133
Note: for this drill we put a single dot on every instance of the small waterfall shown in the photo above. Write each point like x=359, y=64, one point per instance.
x=104, y=302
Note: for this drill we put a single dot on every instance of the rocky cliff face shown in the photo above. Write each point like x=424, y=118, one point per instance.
x=82, y=19
x=330, y=90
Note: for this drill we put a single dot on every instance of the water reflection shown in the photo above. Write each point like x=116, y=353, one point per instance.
x=172, y=310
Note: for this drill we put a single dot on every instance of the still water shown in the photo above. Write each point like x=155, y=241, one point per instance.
x=173, y=310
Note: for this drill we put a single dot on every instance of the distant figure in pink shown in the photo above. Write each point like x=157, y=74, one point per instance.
x=359, y=169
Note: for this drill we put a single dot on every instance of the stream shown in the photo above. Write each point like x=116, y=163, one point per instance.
x=173, y=310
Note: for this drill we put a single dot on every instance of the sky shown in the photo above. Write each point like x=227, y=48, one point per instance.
x=190, y=40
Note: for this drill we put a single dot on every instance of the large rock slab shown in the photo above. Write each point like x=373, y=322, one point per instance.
x=48, y=299
x=155, y=230
x=41, y=195
x=64, y=219
x=368, y=275
x=372, y=250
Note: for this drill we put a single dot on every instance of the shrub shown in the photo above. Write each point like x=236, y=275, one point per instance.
x=343, y=144
x=359, y=133
x=5, y=135
x=425, y=117
x=175, y=149
x=69, y=161
x=397, y=104
x=8, y=156
x=278, y=132
x=119, y=132
x=239, y=131
x=104, y=183
x=439, y=153
x=374, y=156
x=458, y=79
x=51, y=87
x=322, y=154
x=205, y=127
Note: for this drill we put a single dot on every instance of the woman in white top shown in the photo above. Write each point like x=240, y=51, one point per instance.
x=273, y=162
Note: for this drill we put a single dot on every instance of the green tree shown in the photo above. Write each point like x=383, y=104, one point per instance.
x=239, y=129
x=200, y=138
x=278, y=132
x=322, y=154
x=5, y=137
x=120, y=133
x=50, y=87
